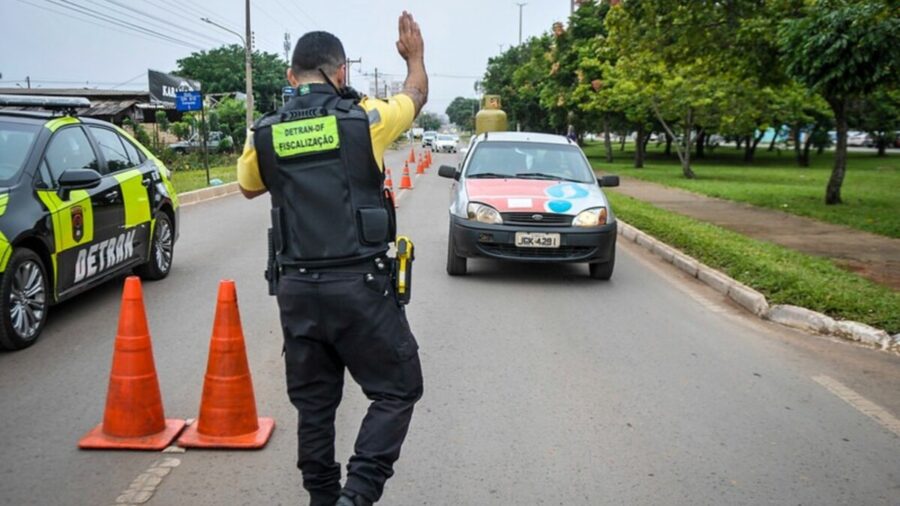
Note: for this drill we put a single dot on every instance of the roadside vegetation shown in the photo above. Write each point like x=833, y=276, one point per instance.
x=773, y=180
x=783, y=275
x=194, y=177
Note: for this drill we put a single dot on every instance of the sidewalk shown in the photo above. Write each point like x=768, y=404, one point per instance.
x=872, y=256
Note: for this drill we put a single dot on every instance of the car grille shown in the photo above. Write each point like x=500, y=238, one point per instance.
x=508, y=250
x=546, y=220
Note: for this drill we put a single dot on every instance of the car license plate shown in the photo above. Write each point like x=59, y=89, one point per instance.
x=536, y=240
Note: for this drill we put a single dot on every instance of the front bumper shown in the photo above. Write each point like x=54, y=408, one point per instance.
x=473, y=239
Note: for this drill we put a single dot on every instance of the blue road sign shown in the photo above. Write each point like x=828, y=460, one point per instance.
x=188, y=100
x=288, y=91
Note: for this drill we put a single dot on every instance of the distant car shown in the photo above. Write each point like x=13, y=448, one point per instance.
x=216, y=141
x=428, y=139
x=529, y=197
x=81, y=202
x=444, y=144
x=859, y=139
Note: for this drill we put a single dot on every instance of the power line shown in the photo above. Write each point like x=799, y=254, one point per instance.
x=108, y=26
x=290, y=13
x=166, y=23
x=66, y=4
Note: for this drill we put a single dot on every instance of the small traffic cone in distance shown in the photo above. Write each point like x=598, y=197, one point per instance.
x=420, y=167
x=412, y=156
x=228, y=407
x=405, y=181
x=388, y=182
x=428, y=158
x=134, y=418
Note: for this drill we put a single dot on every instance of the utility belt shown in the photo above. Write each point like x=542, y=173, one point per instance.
x=399, y=267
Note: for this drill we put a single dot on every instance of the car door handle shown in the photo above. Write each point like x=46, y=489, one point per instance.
x=111, y=196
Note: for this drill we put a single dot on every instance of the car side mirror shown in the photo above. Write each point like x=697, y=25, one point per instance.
x=77, y=179
x=608, y=181
x=449, y=172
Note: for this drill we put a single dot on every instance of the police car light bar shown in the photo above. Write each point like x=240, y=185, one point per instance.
x=53, y=103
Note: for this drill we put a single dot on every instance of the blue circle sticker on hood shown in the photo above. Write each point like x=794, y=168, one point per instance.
x=567, y=191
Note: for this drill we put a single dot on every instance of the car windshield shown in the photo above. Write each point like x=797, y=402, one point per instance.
x=445, y=138
x=529, y=160
x=15, y=144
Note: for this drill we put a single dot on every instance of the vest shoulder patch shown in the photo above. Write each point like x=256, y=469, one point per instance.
x=305, y=136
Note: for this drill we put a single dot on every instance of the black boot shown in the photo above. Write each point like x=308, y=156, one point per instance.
x=349, y=498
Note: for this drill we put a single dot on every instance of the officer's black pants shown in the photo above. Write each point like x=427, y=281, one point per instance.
x=333, y=320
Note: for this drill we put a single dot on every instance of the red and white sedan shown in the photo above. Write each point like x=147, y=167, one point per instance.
x=529, y=197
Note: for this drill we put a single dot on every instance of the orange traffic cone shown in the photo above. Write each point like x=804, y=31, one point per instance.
x=420, y=167
x=428, y=159
x=405, y=181
x=388, y=182
x=228, y=407
x=412, y=156
x=134, y=418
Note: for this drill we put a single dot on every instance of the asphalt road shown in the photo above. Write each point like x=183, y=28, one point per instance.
x=542, y=387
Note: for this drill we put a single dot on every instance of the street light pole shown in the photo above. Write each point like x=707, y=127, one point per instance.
x=520, y=21
x=248, y=66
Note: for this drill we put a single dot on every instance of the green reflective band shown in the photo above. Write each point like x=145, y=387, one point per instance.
x=5, y=252
x=4, y=199
x=66, y=233
x=137, y=202
x=54, y=124
x=305, y=136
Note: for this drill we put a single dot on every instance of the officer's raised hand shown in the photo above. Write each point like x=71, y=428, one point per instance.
x=411, y=47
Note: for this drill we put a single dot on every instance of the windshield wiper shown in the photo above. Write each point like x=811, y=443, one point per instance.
x=487, y=175
x=541, y=175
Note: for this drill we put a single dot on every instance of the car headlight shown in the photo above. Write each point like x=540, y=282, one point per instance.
x=484, y=214
x=591, y=218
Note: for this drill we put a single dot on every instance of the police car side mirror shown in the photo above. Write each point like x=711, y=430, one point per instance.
x=608, y=181
x=77, y=179
x=448, y=172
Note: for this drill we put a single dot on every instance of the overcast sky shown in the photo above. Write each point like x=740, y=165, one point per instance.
x=59, y=48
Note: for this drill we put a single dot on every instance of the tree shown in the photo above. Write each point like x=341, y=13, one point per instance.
x=221, y=70
x=429, y=121
x=181, y=130
x=844, y=50
x=232, y=118
x=462, y=112
x=879, y=116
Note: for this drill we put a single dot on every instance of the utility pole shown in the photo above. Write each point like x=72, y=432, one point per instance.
x=287, y=48
x=521, y=5
x=248, y=65
x=376, y=82
x=28, y=81
x=351, y=62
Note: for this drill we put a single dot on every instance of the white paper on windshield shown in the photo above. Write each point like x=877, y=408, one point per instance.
x=519, y=203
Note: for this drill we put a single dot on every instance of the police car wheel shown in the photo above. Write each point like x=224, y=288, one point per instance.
x=161, y=251
x=25, y=297
x=456, y=265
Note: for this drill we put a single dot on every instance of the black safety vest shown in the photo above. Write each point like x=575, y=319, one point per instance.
x=328, y=202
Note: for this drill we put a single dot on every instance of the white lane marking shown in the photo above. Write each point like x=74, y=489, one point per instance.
x=144, y=486
x=863, y=405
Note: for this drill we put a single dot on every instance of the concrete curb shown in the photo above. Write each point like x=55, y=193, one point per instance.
x=755, y=302
x=209, y=193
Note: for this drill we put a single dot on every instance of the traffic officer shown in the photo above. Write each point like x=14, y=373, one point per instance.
x=320, y=159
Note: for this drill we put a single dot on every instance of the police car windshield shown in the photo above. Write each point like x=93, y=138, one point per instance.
x=15, y=144
x=529, y=160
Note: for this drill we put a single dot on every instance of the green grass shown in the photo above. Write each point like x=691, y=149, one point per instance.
x=194, y=179
x=783, y=275
x=871, y=189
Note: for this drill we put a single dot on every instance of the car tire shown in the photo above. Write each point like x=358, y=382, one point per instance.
x=604, y=270
x=456, y=265
x=25, y=299
x=162, y=250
